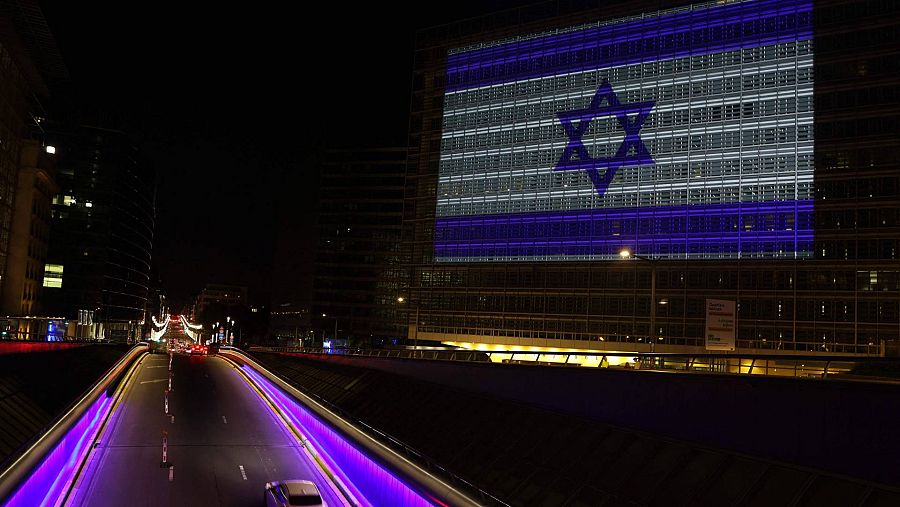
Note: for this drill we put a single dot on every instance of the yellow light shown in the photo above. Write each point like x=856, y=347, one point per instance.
x=624, y=254
x=401, y=299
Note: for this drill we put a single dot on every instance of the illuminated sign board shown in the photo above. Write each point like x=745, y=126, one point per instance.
x=721, y=318
x=684, y=134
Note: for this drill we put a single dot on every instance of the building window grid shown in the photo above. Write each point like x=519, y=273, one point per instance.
x=498, y=194
x=691, y=327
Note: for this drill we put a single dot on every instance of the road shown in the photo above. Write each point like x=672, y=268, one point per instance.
x=224, y=442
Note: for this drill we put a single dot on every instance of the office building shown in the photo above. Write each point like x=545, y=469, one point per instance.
x=595, y=178
x=101, y=233
x=356, y=280
x=30, y=65
x=224, y=296
x=30, y=232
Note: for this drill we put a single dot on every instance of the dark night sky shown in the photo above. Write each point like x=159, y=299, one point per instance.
x=226, y=101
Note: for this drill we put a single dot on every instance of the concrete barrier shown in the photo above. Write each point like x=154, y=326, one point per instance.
x=44, y=473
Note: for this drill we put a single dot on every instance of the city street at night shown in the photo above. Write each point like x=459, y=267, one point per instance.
x=224, y=442
x=504, y=253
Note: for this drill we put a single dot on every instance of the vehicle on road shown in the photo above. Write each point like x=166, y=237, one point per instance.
x=199, y=349
x=291, y=493
x=213, y=348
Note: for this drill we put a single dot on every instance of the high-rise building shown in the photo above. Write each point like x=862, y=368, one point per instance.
x=357, y=270
x=591, y=178
x=30, y=232
x=30, y=65
x=101, y=233
x=227, y=296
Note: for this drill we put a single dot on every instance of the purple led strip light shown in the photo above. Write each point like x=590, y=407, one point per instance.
x=46, y=484
x=369, y=482
x=704, y=33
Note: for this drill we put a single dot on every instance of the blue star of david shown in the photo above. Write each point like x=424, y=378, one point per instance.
x=631, y=152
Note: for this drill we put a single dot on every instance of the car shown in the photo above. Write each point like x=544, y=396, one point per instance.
x=292, y=492
x=199, y=349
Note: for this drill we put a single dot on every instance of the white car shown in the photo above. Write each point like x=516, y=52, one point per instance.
x=291, y=493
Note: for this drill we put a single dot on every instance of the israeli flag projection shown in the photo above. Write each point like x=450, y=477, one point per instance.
x=680, y=134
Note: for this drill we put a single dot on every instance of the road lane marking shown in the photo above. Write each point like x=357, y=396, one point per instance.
x=243, y=473
x=224, y=420
x=160, y=366
x=154, y=381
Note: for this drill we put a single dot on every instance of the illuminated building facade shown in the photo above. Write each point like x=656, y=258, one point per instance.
x=742, y=150
x=30, y=67
x=30, y=233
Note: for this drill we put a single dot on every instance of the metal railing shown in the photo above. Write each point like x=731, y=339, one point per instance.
x=420, y=353
x=347, y=423
x=25, y=336
x=25, y=477
x=868, y=348
x=773, y=365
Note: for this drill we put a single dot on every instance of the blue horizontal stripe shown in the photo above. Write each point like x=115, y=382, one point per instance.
x=735, y=227
x=692, y=33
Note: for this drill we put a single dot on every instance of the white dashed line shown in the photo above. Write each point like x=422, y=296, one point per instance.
x=154, y=381
x=224, y=420
x=243, y=473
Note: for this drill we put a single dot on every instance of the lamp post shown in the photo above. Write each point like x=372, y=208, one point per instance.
x=626, y=254
x=402, y=300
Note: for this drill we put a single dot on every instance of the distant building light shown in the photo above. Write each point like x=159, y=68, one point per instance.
x=89, y=204
x=51, y=149
x=53, y=275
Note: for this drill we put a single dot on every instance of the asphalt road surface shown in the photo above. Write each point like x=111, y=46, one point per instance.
x=224, y=443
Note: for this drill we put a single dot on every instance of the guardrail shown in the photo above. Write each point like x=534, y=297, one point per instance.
x=460, y=333
x=350, y=450
x=43, y=475
x=26, y=347
x=780, y=365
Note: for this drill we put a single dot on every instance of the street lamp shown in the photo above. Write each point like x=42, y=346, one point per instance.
x=626, y=254
x=402, y=300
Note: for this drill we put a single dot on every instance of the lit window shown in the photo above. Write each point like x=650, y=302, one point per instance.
x=69, y=200
x=53, y=275
x=51, y=149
